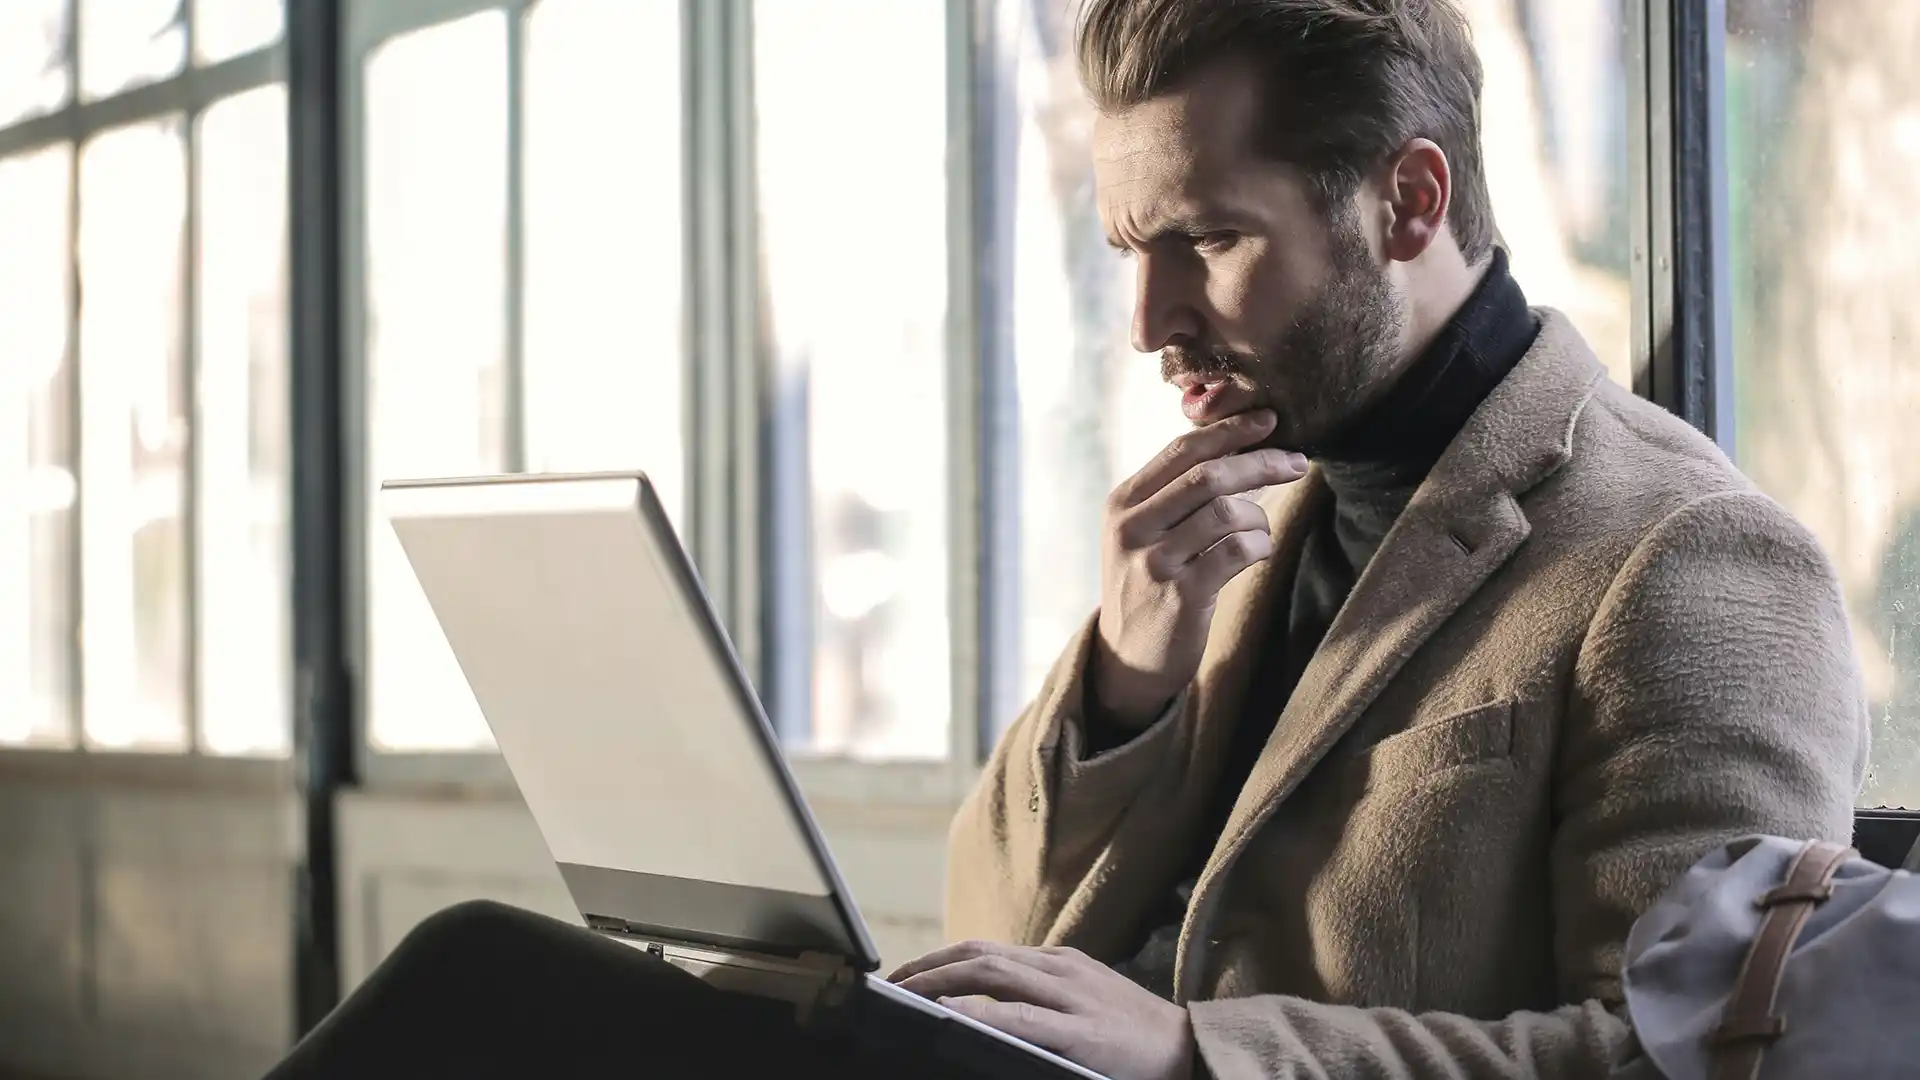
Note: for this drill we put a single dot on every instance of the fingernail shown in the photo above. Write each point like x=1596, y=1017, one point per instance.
x=1298, y=461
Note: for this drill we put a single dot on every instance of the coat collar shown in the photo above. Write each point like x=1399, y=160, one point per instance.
x=1463, y=523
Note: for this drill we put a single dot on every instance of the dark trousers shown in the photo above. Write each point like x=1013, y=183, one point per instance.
x=483, y=990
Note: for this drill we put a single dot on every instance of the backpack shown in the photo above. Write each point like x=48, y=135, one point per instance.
x=1775, y=958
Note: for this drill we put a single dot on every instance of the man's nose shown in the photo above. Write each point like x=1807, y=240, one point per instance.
x=1163, y=313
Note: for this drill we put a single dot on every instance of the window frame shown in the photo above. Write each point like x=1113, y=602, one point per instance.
x=728, y=514
x=187, y=94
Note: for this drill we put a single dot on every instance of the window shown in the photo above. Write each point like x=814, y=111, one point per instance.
x=436, y=337
x=603, y=337
x=522, y=288
x=223, y=29
x=1092, y=411
x=854, y=251
x=241, y=424
x=133, y=438
x=1823, y=144
x=34, y=75
x=145, y=431
x=128, y=43
x=38, y=619
x=1553, y=129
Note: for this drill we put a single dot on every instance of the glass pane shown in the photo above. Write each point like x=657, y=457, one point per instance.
x=436, y=153
x=245, y=646
x=1092, y=411
x=603, y=334
x=227, y=28
x=1823, y=145
x=37, y=623
x=33, y=58
x=1553, y=132
x=125, y=43
x=860, y=371
x=133, y=433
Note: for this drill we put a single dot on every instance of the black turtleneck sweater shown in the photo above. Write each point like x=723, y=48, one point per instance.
x=1372, y=472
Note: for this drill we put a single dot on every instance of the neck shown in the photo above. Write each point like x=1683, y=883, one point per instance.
x=1459, y=363
x=1437, y=286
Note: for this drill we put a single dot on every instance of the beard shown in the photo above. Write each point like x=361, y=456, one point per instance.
x=1331, y=360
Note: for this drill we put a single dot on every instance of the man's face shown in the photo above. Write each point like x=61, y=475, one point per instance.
x=1253, y=295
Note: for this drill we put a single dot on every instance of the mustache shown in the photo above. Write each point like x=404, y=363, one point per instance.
x=1216, y=363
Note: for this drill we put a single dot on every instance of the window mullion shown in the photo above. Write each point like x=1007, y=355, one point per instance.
x=190, y=503
x=76, y=414
x=722, y=287
x=514, y=352
x=321, y=415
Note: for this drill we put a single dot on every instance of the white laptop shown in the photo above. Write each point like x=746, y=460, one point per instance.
x=641, y=749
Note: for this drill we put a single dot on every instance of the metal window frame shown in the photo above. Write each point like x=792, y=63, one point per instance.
x=187, y=94
x=1684, y=341
x=323, y=744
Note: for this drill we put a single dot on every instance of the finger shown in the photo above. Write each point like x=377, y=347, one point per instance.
x=1043, y=959
x=997, y=977
x=1045, y=1028
x=1216, y=520
x=1224, y=561
x=1236, y=432
x=1235, y=474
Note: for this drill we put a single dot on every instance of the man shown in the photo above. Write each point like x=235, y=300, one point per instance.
x=1366, y=778
x=1367, y=772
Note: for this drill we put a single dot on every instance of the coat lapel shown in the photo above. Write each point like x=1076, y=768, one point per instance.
x=1463, y=523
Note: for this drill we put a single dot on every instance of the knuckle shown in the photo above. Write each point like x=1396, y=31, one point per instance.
x=1159, y=569
x=1226, y=509
x=1211, y=476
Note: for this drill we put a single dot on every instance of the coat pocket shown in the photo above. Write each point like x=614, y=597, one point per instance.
x=1474, y=736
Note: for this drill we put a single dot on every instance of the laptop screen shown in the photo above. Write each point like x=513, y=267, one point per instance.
x=620, y=710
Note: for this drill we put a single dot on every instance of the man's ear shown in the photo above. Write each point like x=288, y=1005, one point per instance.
x=1419, y=187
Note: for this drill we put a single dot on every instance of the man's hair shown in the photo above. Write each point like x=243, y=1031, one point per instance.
x=1345, y=82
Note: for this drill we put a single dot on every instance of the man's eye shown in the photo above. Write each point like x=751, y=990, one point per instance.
x=1214, y=241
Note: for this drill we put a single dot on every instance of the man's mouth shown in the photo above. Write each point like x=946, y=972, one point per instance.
x=1198, y=395
x=1205, y=399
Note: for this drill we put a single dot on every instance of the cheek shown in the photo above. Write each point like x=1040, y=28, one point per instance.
x=1256, y=296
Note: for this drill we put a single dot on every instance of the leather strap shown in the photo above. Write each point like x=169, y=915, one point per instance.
x=1749, y=1025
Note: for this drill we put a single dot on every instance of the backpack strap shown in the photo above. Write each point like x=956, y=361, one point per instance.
x=1748, y=1025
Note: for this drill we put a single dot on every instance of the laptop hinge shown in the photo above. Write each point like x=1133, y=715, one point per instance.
x=817, y=984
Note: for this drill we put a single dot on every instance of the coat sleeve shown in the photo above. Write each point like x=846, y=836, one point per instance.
x=1034, y=826
x=1716, y=695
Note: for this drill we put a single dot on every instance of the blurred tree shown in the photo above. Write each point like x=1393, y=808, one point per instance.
x=1824, y=110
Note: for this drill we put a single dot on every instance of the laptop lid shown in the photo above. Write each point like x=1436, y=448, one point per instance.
x=623, y=713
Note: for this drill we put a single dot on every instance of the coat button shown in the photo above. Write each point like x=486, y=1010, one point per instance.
x=1033, y=802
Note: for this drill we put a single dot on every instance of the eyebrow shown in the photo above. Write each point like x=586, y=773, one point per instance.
x=1179, y=225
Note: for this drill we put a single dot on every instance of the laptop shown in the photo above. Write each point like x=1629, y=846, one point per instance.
x=640, y=747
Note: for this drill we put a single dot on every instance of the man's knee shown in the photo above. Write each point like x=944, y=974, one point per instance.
x=466, y=925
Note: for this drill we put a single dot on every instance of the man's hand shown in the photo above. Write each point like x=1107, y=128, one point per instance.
x=1175, y=534
x=1060, y=1000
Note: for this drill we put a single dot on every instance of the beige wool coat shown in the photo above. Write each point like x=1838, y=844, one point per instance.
x=1587, y=653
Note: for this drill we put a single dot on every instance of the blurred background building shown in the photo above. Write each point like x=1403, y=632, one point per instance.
x=831, y=271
